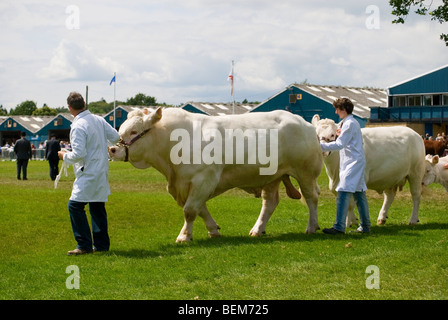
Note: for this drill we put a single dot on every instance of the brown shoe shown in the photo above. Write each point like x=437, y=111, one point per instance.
x=78, y=252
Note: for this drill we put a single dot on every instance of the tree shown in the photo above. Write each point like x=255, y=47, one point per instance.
x=141, y=99
x=45, y=111
x=25, y=108
x=100, y=107
x=3, y=112
x=401, y=10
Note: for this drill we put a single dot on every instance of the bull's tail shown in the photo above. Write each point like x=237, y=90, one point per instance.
x=291, y=191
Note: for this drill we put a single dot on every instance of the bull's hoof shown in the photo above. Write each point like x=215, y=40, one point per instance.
x=413, y=223
x=312, y=230
x=214, y=234
x=182, y=239
x=381, y=222
x=253, y=233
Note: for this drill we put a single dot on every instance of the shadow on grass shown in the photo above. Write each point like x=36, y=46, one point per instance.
x=172, y=249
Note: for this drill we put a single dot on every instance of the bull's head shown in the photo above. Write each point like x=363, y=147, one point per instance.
x=326, y=130
x=430, y=170
x=138, y=124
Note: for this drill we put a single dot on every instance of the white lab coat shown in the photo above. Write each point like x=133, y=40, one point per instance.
x=352, y=159
x=89, y=137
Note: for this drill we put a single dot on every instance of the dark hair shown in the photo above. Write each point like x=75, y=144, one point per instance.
x=344, y=104
x=23, y=134
x=76, y=101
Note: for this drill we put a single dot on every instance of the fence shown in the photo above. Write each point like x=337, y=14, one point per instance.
x=8, y=154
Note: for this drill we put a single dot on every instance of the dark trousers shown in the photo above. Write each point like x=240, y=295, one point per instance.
x=22, y=165
x=54, y=168
x=81, y=229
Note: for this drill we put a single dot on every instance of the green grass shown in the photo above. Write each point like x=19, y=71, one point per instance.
x=145, y=262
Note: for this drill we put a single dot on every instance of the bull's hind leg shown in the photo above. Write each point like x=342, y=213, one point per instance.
x=416, y=192
x=310, y=191
x=270, y=196
x=389, y=196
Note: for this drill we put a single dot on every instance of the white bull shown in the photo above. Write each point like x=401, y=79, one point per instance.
x=394, y=155
x=436, y=171
x=189, y=150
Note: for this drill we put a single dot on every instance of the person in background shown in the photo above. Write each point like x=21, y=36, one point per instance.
x=89, y=137
x=51, y=154
x=22, y=148
x=351, y=169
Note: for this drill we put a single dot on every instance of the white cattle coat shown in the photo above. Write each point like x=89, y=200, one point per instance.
x=89, y=138
x=353, y=161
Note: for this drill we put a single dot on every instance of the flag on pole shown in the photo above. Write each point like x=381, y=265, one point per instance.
x=230, y=79
x=113, y=80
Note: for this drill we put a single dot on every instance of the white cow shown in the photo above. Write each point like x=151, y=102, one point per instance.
x=436, y=171
x=394, y=155
x=203, y=156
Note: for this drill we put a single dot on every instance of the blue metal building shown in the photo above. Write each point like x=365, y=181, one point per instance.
x=420, y=102
x=307, y=100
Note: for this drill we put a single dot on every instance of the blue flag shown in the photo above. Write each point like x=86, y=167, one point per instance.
x=113, y=80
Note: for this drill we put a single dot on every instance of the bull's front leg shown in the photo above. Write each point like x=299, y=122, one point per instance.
x=190, y=214
x=270, y=197
x=351, y=219
x=186, y=234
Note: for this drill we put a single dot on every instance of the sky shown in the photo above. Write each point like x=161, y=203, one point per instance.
x=182, y=50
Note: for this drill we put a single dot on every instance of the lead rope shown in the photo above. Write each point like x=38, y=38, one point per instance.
x=64, y=167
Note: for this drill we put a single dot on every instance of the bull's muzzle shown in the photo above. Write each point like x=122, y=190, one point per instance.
x=119, y=153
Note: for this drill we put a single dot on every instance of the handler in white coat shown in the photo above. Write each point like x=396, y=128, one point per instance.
x=351, y=169
x=89, y=137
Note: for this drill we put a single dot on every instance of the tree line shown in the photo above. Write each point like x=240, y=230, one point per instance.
x=29, y=107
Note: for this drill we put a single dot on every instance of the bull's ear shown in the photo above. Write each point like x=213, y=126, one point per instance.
x=158, y=113
x=435, y=159
x=315, y=120
x=152, y=118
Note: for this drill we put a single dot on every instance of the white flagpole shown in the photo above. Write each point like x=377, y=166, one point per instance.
x=115, y=82
x=233, y=94
x=231, y=78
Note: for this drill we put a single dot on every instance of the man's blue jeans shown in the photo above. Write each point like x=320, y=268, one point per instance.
x=342, y=203
x=81, y=229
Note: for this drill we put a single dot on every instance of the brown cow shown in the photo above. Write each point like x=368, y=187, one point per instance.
x=435, y=147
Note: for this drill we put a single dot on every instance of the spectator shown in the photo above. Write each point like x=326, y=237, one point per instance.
x=51, y=154
x=22, y=148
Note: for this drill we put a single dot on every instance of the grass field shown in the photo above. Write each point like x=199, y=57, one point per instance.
x=145, y=262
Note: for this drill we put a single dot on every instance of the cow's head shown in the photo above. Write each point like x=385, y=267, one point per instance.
x=430, y=170
x=138, y=125
x=326, y=129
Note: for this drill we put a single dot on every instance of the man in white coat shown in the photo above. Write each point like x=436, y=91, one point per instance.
x=351, y=168
x=89, y=137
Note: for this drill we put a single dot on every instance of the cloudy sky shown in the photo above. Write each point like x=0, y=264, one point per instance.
x=181, y=50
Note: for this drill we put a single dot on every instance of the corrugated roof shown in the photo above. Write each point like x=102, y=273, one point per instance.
x=362, y=98
x=221, y=109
